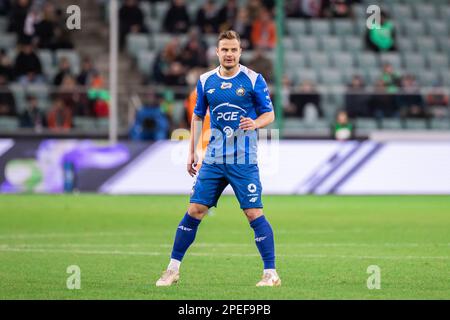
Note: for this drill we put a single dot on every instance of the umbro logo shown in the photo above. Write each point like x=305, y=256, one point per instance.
x=226, y=85
x=210, y=91
x=260, y=239
x=184, y=228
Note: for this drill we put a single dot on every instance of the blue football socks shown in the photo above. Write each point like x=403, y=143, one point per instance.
x=186, y=231
x=264, y=241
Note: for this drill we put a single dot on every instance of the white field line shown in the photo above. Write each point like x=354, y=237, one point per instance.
x=215, y=254
x=221, y=245
x=120, y=234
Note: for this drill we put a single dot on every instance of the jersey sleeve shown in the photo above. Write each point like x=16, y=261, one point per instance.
x=201, y=104
x=262, y=96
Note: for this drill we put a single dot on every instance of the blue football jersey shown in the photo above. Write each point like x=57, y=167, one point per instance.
x=228, y=98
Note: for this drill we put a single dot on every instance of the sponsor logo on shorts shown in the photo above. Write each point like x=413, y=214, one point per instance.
x=253, y=199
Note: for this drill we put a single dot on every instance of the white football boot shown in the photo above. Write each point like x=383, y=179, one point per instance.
x=269, y=279
x=168, y=278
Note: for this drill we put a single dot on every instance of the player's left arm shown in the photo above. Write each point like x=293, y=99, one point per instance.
x=264, y=107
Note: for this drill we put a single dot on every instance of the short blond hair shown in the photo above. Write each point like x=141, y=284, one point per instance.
x=230, y=35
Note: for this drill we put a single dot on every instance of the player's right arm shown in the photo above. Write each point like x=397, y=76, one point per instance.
x=196, y=132
x=196, y=129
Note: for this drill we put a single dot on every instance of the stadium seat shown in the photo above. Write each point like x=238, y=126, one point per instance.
x=391, y=124
x=444, y=45
x=296, y=27
x=437, y=61
x=373, y=75
x=367, y=60
x=160, y=9
x=415, y=124
x=137, y=43
x=8, y=40
x=46, y=58
x=159, y=40
x=331, y=77
x=405, y=44
x=342, y=60
x=364, y=126
x=294, y=60
x=424, y=11
x=445, y=77
x=85, y=123
x=440, y=124
x=306, y=74
x=8, y=123
x=413, y=28
x=353, y=43
x=289, y=44
x=318, y=60
x=426, y=44
x=307, y=43
x=320, y=27
x=343, y=27
x=145, y=60
x=330, y=44
x=426, y=78
x=402, y=10
x=3, y=24
x=413, y=62
x=437, y=28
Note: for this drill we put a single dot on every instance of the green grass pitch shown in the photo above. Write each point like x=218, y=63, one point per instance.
x=324, y=246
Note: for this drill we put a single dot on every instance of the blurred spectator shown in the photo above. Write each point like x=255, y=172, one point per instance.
x=381, y=103
x=176, y=75
x=194, y=52
x=62, y=39
x=410, y=100
x=27, y=64
x=59, y=117
x=261, y=64
x=6, y=67
x=131, y=20
x=64, y=69
x=227, y=15
x=44, y=29
x=5, y=7
x=76, y=100
x=264, y=31
x=86, y=73
x=254, y=9
x=305, y=8
x=243, y=27
x=32, y=116
x=7, y=102
x=164, y=59
x=437, y=101
x=356, y=98
x=391, y=80
x=307, y=98
x=382, y=38
x=177, y=18
x=207, y=19
x=337, y=8
x=342, y=129
x=288, y=106
x=17, y=16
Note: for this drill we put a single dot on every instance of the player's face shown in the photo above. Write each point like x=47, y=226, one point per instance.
x=229, y=52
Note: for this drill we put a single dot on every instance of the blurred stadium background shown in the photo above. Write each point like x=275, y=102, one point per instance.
x=359, y=111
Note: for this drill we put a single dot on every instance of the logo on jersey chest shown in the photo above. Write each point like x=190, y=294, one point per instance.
x=226, y=85
x=240, y=92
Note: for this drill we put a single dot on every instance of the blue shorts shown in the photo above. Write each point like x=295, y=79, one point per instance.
x=212, y=179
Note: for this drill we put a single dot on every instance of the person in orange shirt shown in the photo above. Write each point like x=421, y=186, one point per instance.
x=189, y=105
x=59, y=118
x=264, y=34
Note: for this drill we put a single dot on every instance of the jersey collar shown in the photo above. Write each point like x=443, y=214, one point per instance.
x=227, y=78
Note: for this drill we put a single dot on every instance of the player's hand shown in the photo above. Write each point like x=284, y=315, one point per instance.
x=247, y=124
x=191, y=166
